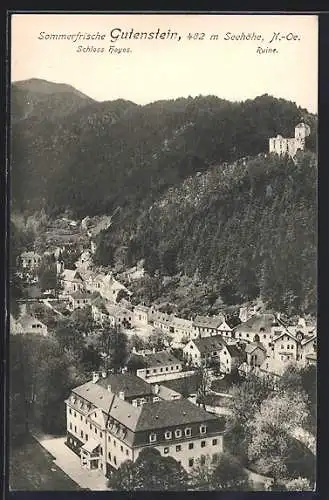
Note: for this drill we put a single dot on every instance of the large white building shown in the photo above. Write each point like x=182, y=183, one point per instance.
x=112, y=418
x=289, y=146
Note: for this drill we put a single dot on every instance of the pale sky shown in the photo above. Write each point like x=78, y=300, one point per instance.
x=166, y=69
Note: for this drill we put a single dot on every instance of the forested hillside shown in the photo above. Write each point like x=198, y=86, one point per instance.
x=246, y=229
x=101, y=155
x=197, y=193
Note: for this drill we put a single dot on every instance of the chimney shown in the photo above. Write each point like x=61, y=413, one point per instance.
x=134, y=350
x=95, y=377
x=104, y=373
x=109, y=388
x=153, y=350
x=122, y=395
x=134, y=402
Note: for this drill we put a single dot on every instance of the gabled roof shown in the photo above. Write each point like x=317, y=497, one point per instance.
x=234, y=351
x=91, y=445
x=252, y=346
x=208, y=321
x=71, y=275
x=148, y=417
x=207, y=344
x=95, y=394
x=181, y=322
x=131, y=385
x=160, y=358
x=170, y=413
x=256, y=322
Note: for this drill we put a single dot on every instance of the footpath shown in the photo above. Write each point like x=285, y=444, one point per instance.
x=66, y=460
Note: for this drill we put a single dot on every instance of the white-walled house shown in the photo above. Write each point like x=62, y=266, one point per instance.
x=105, y=428
x=159, y=366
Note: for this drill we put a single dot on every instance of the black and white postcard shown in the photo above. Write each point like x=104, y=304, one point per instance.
x=163, y=252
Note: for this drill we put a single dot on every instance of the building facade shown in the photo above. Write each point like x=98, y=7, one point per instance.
x=105, y=428
x=289, y=146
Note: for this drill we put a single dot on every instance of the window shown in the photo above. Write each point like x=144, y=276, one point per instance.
x=247, y=335
x=202, y=459
x=81, y=418
x=168, y=434
x=171, y=368
x=288, y=346
x=188, y=431
x=115, y=460
x=114, y=442
x=75, y=414
x=214, y=442
x=203, y=444
x=203, y=429
x=110, y=457
x=178, y=447
x=190, y=446
x=292, y=346
x=81, y=434
x=71, y=425
x=178, y=433
x=154, y=370
x=153, y=438
x=147, y=372
x=95, y=430
x=70, y=411
x=161, y=369
x=166, y=450
x=101, y=450
x=109, y=438
x=166, y=368
x=282, y=346
x=91, y=427
x=75, y=428
x=121, y=448
x=100, y=434
x=127, y=452
x=177, y=367
x=191, y=462
x=86, y=436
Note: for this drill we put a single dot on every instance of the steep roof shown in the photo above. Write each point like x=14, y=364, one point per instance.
x=71, y=275
x=234, y=351
x=181, y=322
x=160, y=358
x=249, y=348
x=207, y=344
x=131, y=385
x=208, y=321
x=95, y=394
x=169, y=413
x=256, y=322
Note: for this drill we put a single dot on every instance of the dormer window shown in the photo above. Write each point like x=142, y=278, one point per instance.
x=203, y=429
x=178, y=433
x=188, y=431
x=168, y=434
x=153, y=437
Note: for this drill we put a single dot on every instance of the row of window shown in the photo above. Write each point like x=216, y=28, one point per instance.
x=288, y=346
x=190, y=446
x=162, y=369
x=81, y=432
x=178, y=433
